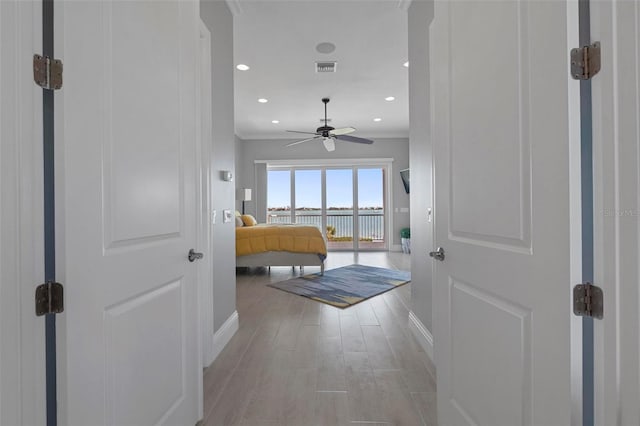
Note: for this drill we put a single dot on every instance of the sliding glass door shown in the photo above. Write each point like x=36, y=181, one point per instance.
x=308, y=197
x=371, y=209
x=279, y=196
x=339, y=209
x=348, y=204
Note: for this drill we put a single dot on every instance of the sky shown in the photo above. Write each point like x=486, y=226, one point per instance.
x=339, y=188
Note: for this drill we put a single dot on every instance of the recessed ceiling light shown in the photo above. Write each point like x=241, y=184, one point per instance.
x=263, y=100
x=406, y=64
x=389, y=98
x=275, y=121
x=377, y=119
x=242, y=67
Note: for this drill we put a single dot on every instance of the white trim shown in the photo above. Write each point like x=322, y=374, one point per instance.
x=575, y=212
x=203, y=197
x=224, y=334
x=205, y=271
x=326, y=162
x=422, y=334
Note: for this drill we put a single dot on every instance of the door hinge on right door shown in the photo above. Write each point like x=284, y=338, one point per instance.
x=585, y=61
x=588, y=301
x=49, y=298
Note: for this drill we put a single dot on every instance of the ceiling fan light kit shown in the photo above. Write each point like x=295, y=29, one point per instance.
x=330, y=134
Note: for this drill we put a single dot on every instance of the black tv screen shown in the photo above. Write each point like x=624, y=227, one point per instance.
x=404, y=174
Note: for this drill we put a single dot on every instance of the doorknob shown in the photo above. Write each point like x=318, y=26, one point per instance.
x=193, y=255
x=438, y=254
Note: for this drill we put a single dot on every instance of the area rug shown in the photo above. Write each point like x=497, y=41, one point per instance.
x=346, y=286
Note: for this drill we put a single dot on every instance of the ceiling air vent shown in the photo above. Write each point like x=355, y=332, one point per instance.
x=326, y=66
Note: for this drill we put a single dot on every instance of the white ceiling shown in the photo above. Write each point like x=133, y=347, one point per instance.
x=278, y=39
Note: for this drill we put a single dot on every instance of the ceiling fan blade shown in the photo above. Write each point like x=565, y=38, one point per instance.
x=343, y=131
x=306, y=133
x=302, y=141
x=355, y=139
x=329, y=144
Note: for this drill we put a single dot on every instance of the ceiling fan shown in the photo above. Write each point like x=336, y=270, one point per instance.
x=329, y=134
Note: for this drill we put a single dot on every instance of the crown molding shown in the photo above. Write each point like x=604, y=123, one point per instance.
x=404, y=4
x=235, y=7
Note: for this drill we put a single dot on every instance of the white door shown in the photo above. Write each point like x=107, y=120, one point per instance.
x=501, y=136
x=616, y=141
x=22, y=383
x=128, y=121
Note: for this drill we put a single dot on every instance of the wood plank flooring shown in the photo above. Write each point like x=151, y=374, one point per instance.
x=297, y=362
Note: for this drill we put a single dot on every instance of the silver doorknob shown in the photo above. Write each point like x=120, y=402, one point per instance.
x=194, y=255
x=438, y=254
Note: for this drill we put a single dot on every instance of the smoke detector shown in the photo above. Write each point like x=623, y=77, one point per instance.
x=326, y=66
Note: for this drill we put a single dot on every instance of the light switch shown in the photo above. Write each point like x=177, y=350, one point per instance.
x=226, y=218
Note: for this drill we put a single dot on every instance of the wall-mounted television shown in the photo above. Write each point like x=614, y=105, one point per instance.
x=404, y=174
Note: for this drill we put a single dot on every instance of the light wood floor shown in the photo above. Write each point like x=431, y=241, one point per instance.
x=298, y=362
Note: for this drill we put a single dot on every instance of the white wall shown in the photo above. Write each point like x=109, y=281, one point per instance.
x=420, y=15
x=219, y=21
x=398, y=149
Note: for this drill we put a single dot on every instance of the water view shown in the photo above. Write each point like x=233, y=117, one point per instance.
x=307, y=186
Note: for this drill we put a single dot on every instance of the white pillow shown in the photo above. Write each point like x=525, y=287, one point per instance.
x=239, y=222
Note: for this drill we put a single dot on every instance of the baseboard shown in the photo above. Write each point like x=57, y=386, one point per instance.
x=224, y=334
x=424, y=337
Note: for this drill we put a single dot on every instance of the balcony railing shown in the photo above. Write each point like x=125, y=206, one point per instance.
x=371, y=226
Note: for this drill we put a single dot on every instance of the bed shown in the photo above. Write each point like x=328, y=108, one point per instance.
x=280, y=245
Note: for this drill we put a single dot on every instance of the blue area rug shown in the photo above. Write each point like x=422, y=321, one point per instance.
x=346, y=286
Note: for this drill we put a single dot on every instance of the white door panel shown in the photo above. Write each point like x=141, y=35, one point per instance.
x=22, y=344
x=616, y=143
x=129, y=123
x=501, y=137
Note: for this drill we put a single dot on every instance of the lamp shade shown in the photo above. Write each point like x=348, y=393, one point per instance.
x=244, y=194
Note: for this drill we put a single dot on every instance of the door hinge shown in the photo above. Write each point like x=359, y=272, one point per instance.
x=585, y=61
x=588, y=301
x=47, y=72
x=49, y=298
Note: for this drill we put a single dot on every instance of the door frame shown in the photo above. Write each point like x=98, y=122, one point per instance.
x=204, y=274
x=204, y=214
x=615, y=150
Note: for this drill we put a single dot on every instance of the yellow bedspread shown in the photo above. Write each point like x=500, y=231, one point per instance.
x=293, y=238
